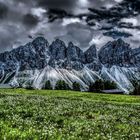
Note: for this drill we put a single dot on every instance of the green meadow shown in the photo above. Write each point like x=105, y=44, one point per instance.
x=68, y=115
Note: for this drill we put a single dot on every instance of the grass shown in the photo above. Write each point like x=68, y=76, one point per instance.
x=67, y=115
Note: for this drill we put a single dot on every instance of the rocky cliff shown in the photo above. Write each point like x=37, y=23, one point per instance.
x=38, y=61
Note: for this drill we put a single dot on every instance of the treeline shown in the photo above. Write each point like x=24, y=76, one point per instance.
x=100, y=85
x=62, y=85
x=97, y=86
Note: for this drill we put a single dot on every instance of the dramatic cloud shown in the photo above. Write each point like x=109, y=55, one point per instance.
x=63, y=4
x=82, y=21
x=30, y=20
x=3, y=10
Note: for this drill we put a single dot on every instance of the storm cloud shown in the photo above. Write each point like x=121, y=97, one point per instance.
x=82, y=21
x=30, y=20
x=62, y=4
x=3, y=10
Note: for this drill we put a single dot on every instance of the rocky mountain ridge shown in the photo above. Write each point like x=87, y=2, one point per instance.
x=84, y=67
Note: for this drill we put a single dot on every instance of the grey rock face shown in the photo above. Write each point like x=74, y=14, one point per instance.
x=92, y=61
x=91, y=54
x=76, y=65
x=74, y=53
x=32, y=55
x=136, y=54
x=58, y=50
x=75, y=57
x=38, y=54
x=95, y=65
x=40, y=44
x=117, y=53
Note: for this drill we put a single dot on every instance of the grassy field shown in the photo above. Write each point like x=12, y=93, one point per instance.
x=67, y=115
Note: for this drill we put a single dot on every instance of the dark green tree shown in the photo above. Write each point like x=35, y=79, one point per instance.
x=29, y=85
x=136, y=90
x=48, y=85
x=76, y=86
x=62, y=85
x=109, y=85
x=98, y=86
x=135, y=83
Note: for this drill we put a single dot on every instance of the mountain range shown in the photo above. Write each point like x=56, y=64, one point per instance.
x=38, y=61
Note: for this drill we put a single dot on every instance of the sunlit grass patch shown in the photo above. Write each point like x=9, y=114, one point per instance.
x=44, y=114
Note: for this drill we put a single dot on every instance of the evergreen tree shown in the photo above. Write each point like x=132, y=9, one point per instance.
x=76, y=86
x=109, y=85
x=135, y=83
x=98, y=86
x=61, y=85
x=136, y=90
x=91, y=87
x=48, y=85
x=29, y=85
x=29, y=88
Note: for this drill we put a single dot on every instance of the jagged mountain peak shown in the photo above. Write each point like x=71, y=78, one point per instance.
x=75, y=53
x=40, y=41
x=121, y=43
x=70, y=44
x=57, y=49
x=117, y=53
x=59, y=41
x=116, y=44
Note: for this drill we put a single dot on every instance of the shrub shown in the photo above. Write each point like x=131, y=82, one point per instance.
x=48, y=85
x=61, y=85
x=76, y=86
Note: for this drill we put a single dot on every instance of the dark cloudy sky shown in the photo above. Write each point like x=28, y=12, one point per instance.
x=82, y=21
